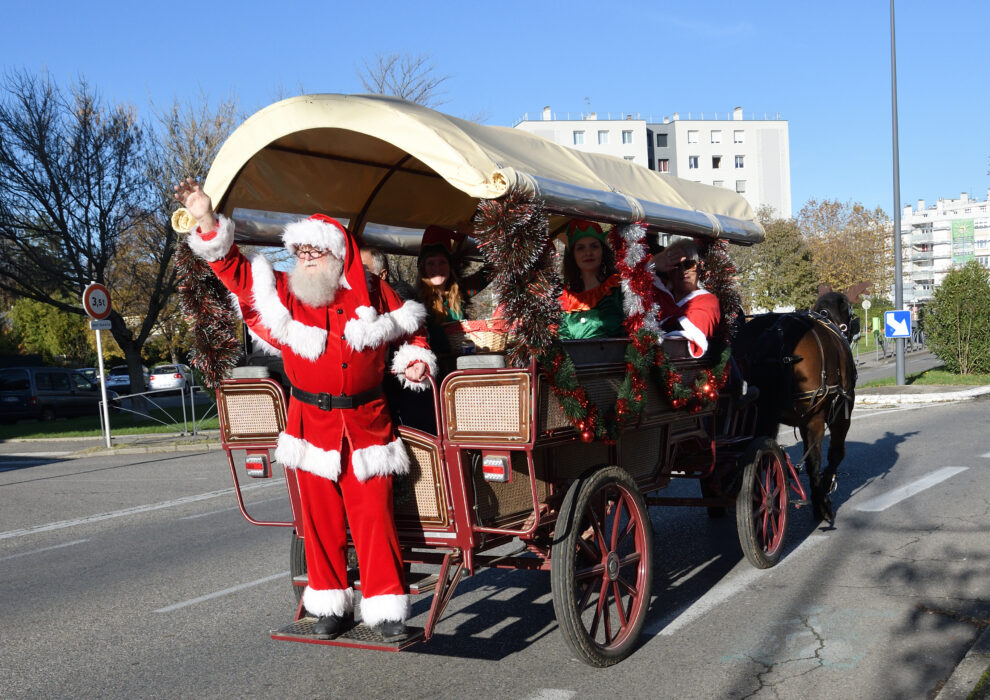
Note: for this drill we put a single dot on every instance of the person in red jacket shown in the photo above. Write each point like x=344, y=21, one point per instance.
x=333, y=325
x=686, y=308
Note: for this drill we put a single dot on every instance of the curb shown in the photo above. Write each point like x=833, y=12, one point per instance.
x=968, y=672
x=935, y=397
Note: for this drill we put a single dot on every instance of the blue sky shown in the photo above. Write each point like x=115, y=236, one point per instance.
x=825, y=67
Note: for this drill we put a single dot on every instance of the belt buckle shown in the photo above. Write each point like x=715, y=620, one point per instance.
x=324, y=401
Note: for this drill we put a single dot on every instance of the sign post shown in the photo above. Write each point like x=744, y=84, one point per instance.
x=96, y=304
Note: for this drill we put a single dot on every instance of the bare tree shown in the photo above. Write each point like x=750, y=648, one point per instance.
x=72, y=182
x=412, y=78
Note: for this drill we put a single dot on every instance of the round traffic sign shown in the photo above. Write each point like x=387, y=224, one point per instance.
x=866, y=304
x=96, y=301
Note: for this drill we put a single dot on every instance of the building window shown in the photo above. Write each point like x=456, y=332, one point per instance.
x=718, y=183
x=661, y=140
x=740, y=186
x=692, y=136
x=578, y=138
x=663, y=165
x=692, y=162
x=716, y=161
x=629, y=157
x=739, y=161
x=716, y=137
x=626, y=137
x=602, y=138
x=737, y=136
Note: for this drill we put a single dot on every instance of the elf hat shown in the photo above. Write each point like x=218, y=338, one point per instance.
x=580, y=228
x=437, y=239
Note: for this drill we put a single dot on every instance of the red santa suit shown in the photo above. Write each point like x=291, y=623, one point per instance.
x=343, y=457
x=694, y=317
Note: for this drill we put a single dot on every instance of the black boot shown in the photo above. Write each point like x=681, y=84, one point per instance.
x=392, y=630
x=331, y=626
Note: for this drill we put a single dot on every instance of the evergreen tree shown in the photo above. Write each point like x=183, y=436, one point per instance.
x=957, y=322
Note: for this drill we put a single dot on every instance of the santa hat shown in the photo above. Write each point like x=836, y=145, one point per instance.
x=437, y=239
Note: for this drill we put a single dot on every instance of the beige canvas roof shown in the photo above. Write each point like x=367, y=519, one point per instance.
x=371, y=158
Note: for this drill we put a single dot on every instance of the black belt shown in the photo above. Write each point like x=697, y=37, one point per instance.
x=329, y=402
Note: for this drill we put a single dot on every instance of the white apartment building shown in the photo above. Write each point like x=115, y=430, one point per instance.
x=750, y=156
x=936, y=238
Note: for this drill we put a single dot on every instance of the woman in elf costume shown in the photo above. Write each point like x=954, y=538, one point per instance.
x=592, y=297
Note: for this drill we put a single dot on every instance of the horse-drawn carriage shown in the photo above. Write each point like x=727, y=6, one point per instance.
x=561, y=450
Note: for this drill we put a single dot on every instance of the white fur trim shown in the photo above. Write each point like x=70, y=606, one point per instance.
x=405, y=356
x=301, y=454
x=369, y=329
x=218, y=246
x=694, y=334
x=257, y=342
x=692, y=295
x=306, y=341
x=380, y=460
x=319, y=234
x=384, y=608
x=337, y=602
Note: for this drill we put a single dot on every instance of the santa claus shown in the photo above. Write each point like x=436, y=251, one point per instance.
x=333, y=326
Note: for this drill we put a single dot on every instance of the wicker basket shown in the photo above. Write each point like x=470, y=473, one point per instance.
x=488, y=335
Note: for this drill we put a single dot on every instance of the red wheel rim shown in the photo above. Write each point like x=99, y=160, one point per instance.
x=610, y=569
x=769, y=503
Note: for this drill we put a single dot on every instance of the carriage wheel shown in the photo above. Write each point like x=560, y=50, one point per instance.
x=297, y=563
x=761, y=507
x=601, y=566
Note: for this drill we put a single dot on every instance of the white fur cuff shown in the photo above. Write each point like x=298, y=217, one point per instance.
x=405, y=356
x=218, y=246
x=384, y=608
x=325, y=603
x=300, y=454
x=380, y=460
x=370, y=330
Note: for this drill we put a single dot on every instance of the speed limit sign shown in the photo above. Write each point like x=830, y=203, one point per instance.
x=96, y=301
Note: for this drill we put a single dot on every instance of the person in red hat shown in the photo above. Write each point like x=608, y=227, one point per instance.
x=687, y=309
x=592, y=296
x=332, y=325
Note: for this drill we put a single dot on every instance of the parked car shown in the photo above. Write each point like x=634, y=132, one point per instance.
x=47, y=393
x=91, y=373
x=119, y=379
x=170, y=377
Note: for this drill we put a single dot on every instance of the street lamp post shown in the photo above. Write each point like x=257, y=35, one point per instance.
x=898, y=266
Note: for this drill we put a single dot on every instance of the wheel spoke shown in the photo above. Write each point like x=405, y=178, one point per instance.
x=607, y=618
x=619, y=506
x=593, y=571
x=586, y=596
x=599, y=606
x=623, y=619
x=630, y=589
x=596, y=527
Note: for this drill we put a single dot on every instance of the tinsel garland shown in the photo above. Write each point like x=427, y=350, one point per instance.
x=514, y=239
x=720, y=279
x=215, y=345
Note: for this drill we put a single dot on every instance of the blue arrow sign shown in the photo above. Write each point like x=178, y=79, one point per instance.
x=897, y=324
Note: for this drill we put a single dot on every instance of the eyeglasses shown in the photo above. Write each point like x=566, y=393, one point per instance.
x=310, y=253
x=686, y=265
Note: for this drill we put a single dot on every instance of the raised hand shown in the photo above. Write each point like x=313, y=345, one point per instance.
x=190, y=195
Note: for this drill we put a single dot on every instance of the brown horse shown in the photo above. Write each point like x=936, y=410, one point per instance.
x=804, y=368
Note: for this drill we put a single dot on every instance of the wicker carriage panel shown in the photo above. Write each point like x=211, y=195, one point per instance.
x=552, y=416
x=641, y=451
x=419, y=496
x=572, y=459
x=488, y=407
x=252, y=414
x=499, y=504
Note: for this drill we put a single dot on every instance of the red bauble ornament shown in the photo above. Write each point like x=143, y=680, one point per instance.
x=587, y=436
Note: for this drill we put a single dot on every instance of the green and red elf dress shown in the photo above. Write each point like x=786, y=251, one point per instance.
x=344, y=457
x=597, y=313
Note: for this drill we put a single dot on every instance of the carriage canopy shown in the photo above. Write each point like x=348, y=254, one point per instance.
x=371, y=159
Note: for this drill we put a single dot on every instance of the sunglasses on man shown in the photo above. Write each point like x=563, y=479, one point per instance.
x=686, y=265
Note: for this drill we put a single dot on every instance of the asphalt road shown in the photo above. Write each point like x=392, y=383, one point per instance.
x=135, y=576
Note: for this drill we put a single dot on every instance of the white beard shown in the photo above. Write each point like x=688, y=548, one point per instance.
x=317, y=285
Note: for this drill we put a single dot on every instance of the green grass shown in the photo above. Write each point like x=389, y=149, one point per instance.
x=89, y=426
x=934, y=377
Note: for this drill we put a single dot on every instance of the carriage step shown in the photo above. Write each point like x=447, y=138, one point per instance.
x=418, y=583
x=799, y=502
x=360, y=636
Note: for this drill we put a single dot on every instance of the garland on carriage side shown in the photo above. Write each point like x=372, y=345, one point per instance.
x=720, y=280
x=215, y=345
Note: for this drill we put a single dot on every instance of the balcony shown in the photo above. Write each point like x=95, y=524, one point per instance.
x=918, y=237
x=920, y=256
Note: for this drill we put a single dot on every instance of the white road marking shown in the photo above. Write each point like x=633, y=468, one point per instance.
x=551, y=694
x=39, y=455
x=721, y=592
x=986, y=456
x=227, y=510
x=43, y=549
x=875, y=505
x=218, y=594
x=131, y=511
